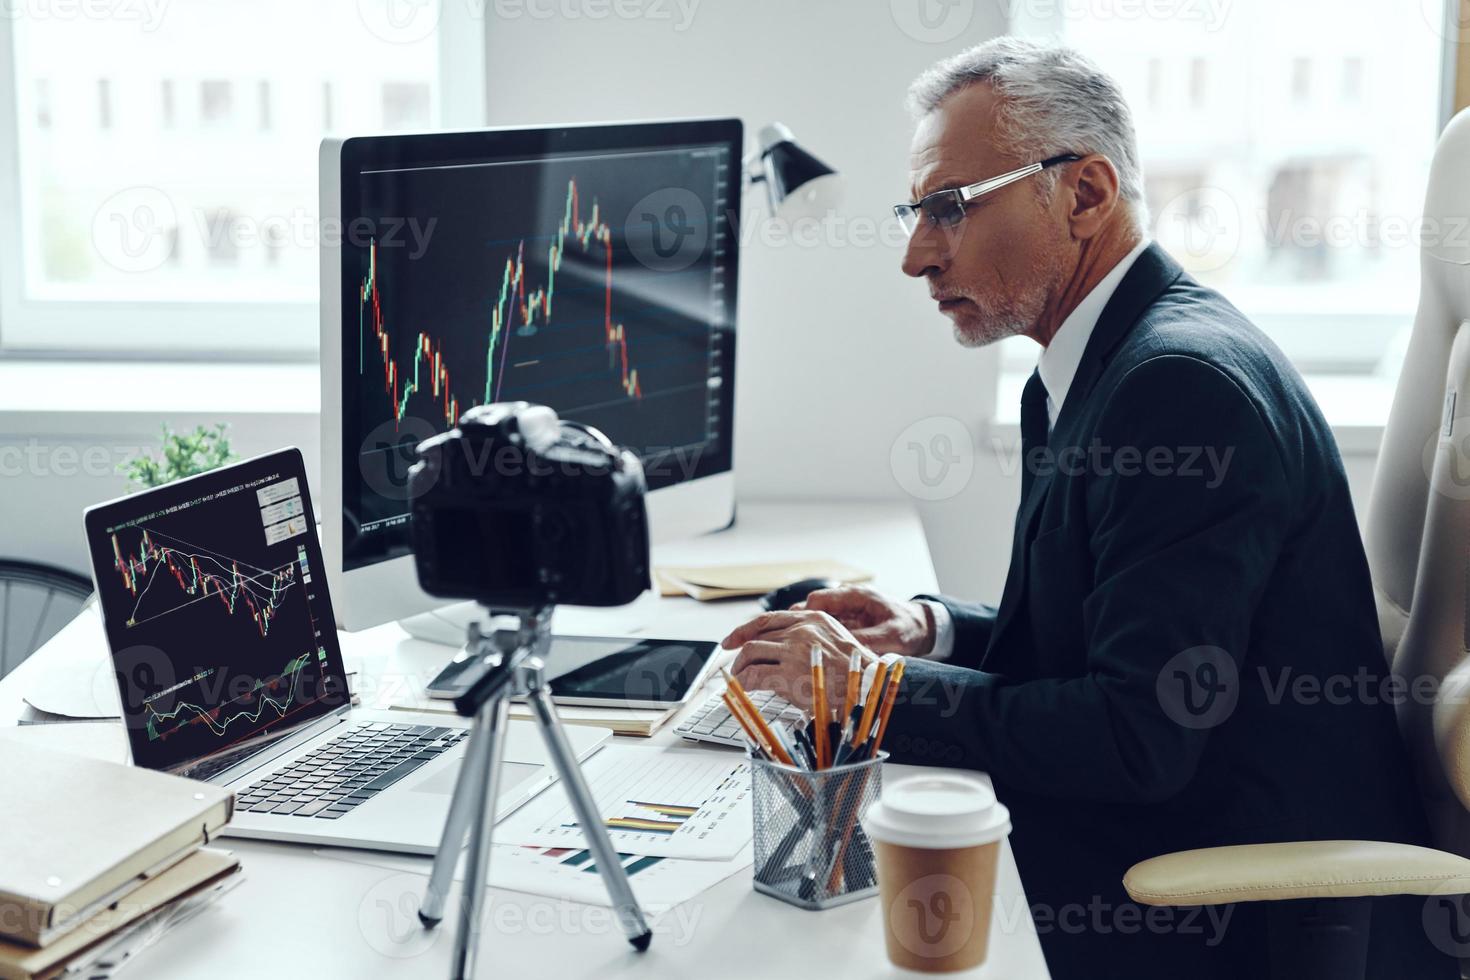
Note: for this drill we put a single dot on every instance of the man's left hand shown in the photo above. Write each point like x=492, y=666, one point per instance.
x=775, y=655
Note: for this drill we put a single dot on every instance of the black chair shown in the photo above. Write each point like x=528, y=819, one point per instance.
x=36, y=600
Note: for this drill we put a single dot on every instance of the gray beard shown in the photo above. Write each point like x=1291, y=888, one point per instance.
x=1013, y=322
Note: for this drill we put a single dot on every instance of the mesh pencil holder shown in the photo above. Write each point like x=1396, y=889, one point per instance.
x=809, y=849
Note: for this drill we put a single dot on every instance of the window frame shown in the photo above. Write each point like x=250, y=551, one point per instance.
x=1049, y=21
x=186, y=330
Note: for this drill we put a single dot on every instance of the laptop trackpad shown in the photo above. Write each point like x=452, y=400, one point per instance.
x=512, y=775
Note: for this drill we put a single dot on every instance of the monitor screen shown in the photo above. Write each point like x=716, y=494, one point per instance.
x=590, y=269
x=216, y=611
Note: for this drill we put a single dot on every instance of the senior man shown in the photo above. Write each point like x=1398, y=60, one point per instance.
x=1127, y=695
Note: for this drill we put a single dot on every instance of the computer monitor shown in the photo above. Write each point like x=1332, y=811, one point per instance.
x=588, y=268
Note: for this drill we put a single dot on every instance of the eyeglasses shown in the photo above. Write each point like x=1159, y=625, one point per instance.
x=946, y=208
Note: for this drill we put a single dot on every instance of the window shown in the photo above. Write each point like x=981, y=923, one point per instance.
x=1299, y=191
x=405, y=106
x=104, y=104
x=215, y=100
x=166, y=103
x=169, y=203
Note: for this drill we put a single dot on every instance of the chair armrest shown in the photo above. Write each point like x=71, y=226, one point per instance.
x=1296, y=869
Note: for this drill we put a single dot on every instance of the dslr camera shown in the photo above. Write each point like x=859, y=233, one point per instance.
x=517, y=508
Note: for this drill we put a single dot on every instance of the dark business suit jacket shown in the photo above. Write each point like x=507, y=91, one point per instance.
x=1185, y=551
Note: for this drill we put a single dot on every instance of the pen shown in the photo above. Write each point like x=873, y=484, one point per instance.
x=808, y=750
x=819, y=706
x=788, y=744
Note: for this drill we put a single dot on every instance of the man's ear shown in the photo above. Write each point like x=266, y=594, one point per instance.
x=1093, y=181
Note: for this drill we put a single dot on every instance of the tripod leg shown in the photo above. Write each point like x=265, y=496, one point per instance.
x=490, y=722
x=608, y=865
x=472, y=769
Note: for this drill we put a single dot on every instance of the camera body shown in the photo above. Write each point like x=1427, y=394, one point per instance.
x=516, y=508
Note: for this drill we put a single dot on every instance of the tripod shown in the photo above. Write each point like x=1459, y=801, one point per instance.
x=513, y=666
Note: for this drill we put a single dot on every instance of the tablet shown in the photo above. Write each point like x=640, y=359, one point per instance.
x=606, y=671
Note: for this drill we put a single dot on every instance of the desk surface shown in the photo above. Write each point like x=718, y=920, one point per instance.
x=300, y=913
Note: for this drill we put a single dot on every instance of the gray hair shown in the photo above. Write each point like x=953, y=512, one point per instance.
x=1053, y=100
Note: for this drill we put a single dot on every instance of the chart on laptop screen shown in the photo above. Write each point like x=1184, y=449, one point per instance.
x=215, y=611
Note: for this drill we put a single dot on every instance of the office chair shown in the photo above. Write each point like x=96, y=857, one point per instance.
x=1418, y=544
x=35, y=601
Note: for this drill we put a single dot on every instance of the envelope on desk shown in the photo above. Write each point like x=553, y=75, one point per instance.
x=735, y=581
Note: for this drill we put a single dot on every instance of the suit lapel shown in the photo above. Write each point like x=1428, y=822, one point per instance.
x=1151, y=274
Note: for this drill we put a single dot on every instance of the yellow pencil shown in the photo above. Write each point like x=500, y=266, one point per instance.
x=870, y=705
x=754, y=715
x=890, y=698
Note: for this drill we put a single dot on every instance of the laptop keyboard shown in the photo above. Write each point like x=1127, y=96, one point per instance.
x=347, y=771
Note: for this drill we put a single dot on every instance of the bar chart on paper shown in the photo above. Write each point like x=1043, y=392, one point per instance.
x=669, y=803
x=571, y=873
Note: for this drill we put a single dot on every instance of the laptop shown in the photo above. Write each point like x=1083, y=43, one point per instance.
x=225, y=648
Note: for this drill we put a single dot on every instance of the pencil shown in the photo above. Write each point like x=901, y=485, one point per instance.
x=870, y=705
x=819, y=706
x=854, y=681
x=738, y=692
x=894, y=677
x=751, y=734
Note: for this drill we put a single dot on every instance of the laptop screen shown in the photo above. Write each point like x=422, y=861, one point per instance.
x=215, y=605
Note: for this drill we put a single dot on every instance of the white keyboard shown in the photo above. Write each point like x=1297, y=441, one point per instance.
x=712, y=721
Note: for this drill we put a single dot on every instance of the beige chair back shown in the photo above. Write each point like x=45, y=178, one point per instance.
x=1418, y=526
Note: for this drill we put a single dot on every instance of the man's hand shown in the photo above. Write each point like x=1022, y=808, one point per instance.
x=775, y=655
x=876, y=621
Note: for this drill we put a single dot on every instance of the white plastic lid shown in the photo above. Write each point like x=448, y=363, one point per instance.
x=938, y=811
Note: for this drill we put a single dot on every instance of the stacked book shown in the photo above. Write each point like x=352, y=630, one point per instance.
x=97, y=858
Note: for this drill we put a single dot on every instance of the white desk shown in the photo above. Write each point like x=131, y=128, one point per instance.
x=298, y=913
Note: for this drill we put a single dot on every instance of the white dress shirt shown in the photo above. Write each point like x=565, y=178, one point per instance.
x=1058, y=366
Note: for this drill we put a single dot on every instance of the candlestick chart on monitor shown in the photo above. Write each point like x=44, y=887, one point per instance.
x=592, y=283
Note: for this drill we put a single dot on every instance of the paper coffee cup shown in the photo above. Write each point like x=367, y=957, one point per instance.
x=938, y=844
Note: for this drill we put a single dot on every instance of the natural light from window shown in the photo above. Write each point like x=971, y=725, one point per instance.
x=1286, y=149
x=171, y=154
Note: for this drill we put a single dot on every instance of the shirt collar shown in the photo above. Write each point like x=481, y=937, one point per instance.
x=1060, y=359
